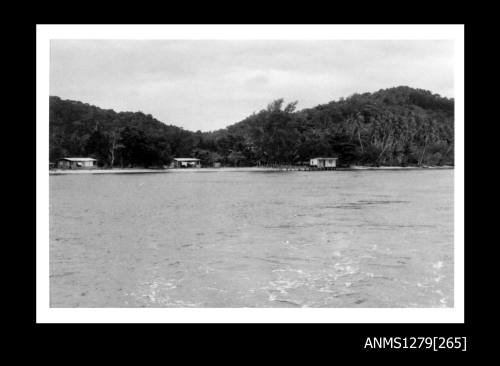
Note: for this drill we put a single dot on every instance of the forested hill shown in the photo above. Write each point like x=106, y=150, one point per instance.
x=397, y=126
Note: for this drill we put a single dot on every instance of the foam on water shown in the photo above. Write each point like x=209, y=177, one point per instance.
x=298, y=239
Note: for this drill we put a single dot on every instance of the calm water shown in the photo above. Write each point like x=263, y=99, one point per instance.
x=252, y=239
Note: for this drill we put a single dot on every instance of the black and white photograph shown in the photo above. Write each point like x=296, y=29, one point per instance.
x=252, y=170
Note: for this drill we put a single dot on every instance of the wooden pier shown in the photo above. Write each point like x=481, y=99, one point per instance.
x=299, y=168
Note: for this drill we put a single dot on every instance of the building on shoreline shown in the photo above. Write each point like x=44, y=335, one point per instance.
x=76, y=163
x=186, y=163
x=324, y=163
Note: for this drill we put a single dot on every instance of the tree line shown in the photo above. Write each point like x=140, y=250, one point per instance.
x=398, y=126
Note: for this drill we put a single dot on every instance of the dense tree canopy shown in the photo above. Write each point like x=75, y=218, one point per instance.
x=397, y=126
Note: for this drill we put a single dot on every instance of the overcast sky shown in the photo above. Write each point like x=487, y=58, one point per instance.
x=206, y=85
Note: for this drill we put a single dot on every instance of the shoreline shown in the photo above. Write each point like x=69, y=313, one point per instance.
x=229, y=169
x=427, y=167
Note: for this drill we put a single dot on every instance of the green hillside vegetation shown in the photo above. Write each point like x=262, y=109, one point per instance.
x=400, y=126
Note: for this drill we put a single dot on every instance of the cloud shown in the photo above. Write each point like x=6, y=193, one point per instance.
x=210, y=84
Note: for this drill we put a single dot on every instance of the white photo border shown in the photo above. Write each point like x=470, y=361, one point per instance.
x=46, y=314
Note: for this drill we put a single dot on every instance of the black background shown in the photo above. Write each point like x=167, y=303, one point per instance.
x=236, y=343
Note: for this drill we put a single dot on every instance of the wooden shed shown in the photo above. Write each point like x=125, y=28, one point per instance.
x=324, y=163
x=186, y=163
x=76, y=163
